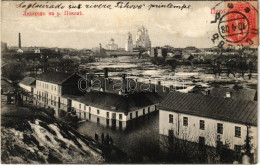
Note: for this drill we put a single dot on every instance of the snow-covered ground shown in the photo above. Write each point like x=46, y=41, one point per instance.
x=37, y=141
x=188, y=77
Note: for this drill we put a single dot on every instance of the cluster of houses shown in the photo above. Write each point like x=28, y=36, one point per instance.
x=222, y=115
x=196, y=54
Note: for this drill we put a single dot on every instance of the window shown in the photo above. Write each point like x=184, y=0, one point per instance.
x=120, y=116
x=79, y=106
x=51, y=87
x=148, y=109
x=237, y=148
x=185, y=121
x=143, y=111
x=84, y=107
x=97, y=111
x=107, y=114
x=136, y=114
x=89, y=109
x=170, y=118
x=237, y=131
x=54, y=88
x=202, y=124
x=131, y=116
x=220, y=128
x=98, y=120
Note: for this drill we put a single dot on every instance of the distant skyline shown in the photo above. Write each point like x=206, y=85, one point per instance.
x=165, y=26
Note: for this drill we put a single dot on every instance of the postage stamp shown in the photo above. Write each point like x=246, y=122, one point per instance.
x=237, y=25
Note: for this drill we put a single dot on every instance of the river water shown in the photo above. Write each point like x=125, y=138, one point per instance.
x=134, y=141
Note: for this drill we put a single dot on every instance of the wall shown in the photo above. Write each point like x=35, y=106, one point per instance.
x=140, y=112
x=48, y=87
x=26, y=87
x=192, y=131
x=102, y=112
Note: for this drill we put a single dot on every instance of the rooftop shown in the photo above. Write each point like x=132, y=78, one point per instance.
x=55, y=77
x=237, y=111
x=240, y=94
x=118, y=103
x=27, y=81
x=6, y=86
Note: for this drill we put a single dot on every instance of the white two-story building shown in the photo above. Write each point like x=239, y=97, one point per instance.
x=50, y=87
x=207, y=119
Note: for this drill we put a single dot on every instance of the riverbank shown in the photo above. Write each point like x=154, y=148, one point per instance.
x=29, y=135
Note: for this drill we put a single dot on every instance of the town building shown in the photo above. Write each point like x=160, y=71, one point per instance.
x=142, y=38
x=50, y=87
x=112, y=45
x=112, y=109
x=129, y=43
x=99, y=51
x=100, y=102
x=209, y=120
x=159, y=52
x=28, y=84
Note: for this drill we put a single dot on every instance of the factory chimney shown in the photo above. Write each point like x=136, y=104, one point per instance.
x=19, y=41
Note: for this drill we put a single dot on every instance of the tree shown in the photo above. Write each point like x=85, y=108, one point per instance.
x=14, y=71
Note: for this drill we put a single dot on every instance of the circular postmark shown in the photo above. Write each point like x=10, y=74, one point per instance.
x=237, y=24
x=233, y=26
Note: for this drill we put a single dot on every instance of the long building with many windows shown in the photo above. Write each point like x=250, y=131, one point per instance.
x=100, y=102
x=207, y=120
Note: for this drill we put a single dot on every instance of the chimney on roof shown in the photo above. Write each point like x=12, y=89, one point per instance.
x=228, y=94
x=106, y=72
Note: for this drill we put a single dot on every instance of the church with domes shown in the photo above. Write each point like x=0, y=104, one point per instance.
x=111, y=45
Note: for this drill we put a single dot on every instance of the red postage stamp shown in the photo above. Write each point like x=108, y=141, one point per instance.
x=240, y=23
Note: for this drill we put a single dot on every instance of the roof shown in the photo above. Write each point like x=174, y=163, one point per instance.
x=238, y=111
x=241, y=94
x=27, y=81
x=113, y=86
x=55, y=77
x=6, y=86
x=116, y=102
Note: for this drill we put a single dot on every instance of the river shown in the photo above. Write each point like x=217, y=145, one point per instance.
x=142, y=140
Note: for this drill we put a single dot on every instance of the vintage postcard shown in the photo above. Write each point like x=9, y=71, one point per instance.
x=98, y=82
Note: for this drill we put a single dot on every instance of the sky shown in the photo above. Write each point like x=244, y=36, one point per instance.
x=178, y=28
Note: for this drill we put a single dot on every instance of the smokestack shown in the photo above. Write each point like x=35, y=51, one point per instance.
x=106, y=72
x=19, y=41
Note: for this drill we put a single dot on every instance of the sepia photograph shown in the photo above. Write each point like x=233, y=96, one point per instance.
x=129, y=82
